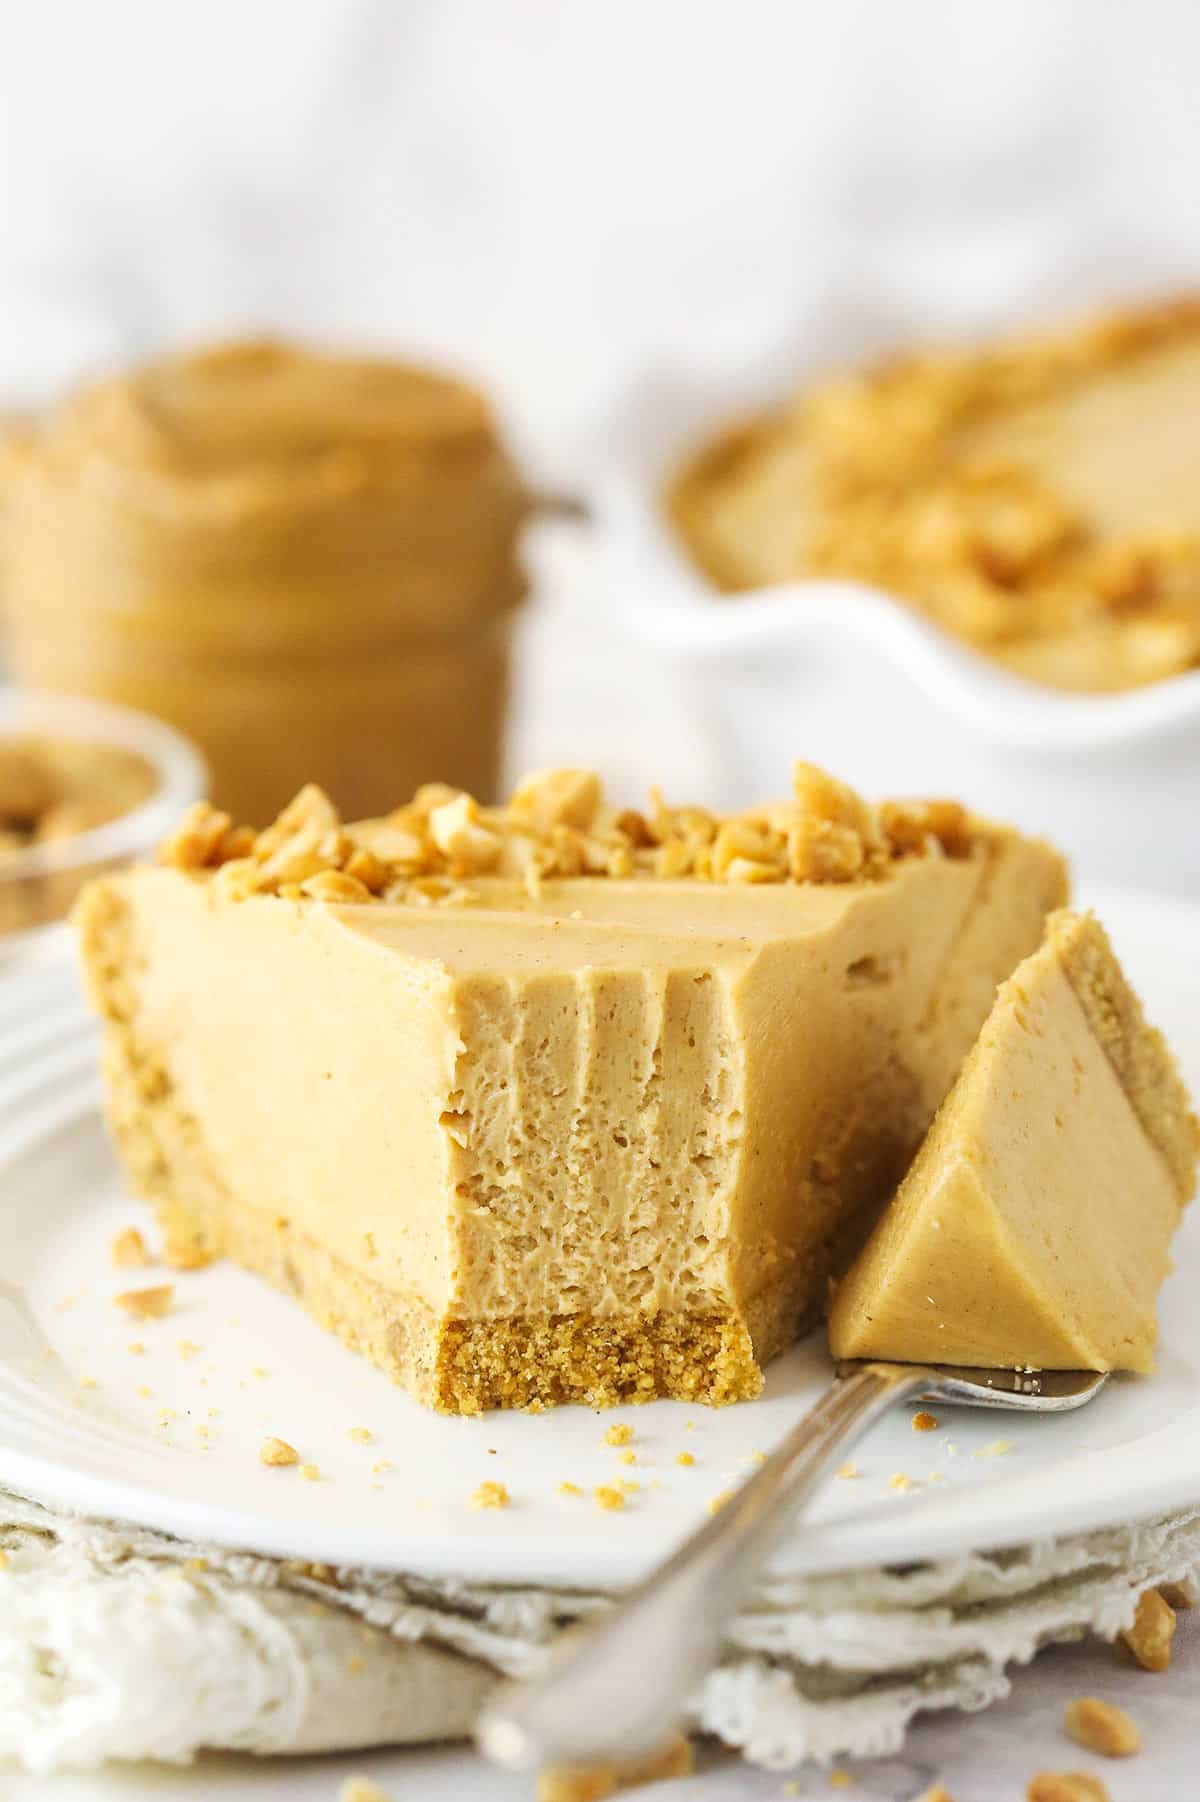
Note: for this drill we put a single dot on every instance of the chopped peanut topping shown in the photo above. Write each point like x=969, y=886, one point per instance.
x=620, y=1434
x=559, y=826
x=1149, y=1638
x=1102, y=1727
x=146, y=1304
x=924, y=1423
x=277, y=1452
x=608, y=1497
x=128, y=1250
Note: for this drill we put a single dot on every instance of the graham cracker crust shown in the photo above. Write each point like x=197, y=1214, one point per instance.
x=1137, y=1051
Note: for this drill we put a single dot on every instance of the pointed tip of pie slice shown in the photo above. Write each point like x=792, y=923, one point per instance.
x=1033, y=1228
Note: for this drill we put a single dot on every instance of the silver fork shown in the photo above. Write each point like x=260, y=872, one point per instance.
x=612, y=1689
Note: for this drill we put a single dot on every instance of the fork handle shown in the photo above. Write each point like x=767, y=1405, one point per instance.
x=613, y=1688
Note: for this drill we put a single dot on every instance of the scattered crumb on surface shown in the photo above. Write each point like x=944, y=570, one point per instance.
x=187, y=1349
x=936, y=1794
x=925, y=1423
x=491, y=1495
x=1150, y=1636
x=128, y=1250
x=627, y=1486
x=88, y=1383
x=311, y=1473
x=356, y=1665
x=840, y=1780
x=361, y=1789
x=277, y=1451
x=1066, y=1786
x=849, y=1471
x=901, y=1481
x=137, y=1347
x=685, y=1458
x=618, y=1434
x=1101, y=1727
x=597, y=1782
x=258, y=1372
x=718, y=1501
x=995, y=1448
x=568, y=1488
x=360, y=1435
x=608, y=1497
x=380, y=1465
x=146, y=1304
x=628, y=1458
x=144, y=1391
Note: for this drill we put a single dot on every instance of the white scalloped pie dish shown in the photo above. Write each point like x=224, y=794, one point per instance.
x=851, y=677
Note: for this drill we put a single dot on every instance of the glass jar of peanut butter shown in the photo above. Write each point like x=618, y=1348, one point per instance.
x=306, y=562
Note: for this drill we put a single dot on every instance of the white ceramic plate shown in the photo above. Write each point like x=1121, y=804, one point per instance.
x=82, y=1419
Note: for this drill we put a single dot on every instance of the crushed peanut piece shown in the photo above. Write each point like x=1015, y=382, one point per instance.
x=490, y=1495
x=719, y=1500
x=1150, y=1636
x=620, y=1434
x=361, y=1789
x=146, y=1304
x=684, y=1458
x=595, y=1783
x=360, y=1435
x=137, y=1347
x=848, y=1471
x=187, y=1349
x=608, y=1497
x=1066, y=1786
x=924, y=1423
x=995, y=1448
x=840, y=1780
x=311, y=1473
x=128, y=1250
x=566, y=1487
x=1101, y=1727
x=628, y=1458
x=936, y=1794
x=277, y=1451
x=901, y=1481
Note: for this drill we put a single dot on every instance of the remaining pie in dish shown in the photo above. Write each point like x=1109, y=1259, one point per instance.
x=1033, y=1230
x=1036, y=498
x=551, y=1102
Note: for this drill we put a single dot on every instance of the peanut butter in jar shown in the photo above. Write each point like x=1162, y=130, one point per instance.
x=306, y=562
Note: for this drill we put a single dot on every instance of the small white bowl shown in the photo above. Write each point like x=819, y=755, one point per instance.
x=47, y=877
x=852, y=678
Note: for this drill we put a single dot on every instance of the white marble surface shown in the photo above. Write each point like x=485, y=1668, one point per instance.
x=987, y=1758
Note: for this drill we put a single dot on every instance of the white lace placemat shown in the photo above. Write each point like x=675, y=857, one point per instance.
x=117, y=1643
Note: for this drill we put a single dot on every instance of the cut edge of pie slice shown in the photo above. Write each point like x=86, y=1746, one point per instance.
x=1033, y=1229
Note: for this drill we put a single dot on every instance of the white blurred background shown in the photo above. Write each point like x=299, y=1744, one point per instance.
x=568, y=197
x=561, y=194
